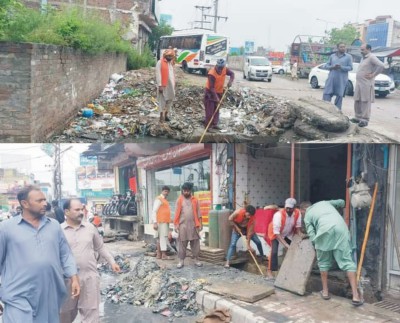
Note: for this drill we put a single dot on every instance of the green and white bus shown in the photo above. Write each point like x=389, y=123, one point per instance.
x=197, y=49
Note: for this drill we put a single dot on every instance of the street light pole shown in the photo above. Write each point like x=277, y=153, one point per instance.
x=326, y=23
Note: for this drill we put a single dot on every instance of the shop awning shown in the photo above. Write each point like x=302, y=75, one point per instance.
x=386, y=51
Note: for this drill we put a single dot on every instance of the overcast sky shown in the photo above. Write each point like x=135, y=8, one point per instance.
x=29, y=158
x=276, y=23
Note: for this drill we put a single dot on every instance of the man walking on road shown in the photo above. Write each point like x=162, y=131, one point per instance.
x=34, y=259
x=214, y=91
x=284, y=225
x=339, y=65
x=364, y=93
x=293, y=71
x=161, y=220
x=188, y=224
x=85, y=242
x=331, y=238
x=243, y=220
x=165, y=77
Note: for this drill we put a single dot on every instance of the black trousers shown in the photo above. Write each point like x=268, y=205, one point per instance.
x=273, y=257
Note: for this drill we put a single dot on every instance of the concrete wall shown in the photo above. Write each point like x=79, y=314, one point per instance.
x=43, y=86
x=236, y=62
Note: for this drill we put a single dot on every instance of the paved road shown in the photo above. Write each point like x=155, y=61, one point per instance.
x=385, y=118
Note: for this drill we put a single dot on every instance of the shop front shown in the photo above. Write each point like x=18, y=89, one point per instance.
x=173, y=167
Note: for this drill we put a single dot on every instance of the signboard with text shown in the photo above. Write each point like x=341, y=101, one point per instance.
x=89, y=177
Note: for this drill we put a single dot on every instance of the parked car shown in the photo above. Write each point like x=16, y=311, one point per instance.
x=281, y=69
x=257, y=68
x=384, y=85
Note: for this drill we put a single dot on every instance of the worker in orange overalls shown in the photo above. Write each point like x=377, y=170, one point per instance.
x=284, y=225
x=243, y=220
x=214, y=91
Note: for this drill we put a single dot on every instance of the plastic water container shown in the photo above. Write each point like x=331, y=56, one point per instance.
x=87, y=113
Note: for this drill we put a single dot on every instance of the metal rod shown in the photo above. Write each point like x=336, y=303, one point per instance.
x=348, y=175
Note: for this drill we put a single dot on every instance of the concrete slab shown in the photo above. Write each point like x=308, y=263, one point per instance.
x=242, y=291
x=296, y=267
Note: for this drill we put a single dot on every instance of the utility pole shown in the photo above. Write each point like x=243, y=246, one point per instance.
x=203, y=17
x=57, y=172
x=215, y=16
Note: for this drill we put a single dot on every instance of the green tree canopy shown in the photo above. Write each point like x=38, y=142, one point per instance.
x=163, y=29
x=347, y=34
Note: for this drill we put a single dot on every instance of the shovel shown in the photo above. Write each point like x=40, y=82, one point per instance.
x=254, y=258
x=212, y=118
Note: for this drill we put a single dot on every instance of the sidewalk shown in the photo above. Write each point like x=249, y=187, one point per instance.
x=280, y=307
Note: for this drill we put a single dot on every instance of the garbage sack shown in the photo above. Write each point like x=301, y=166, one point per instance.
x=360, y=195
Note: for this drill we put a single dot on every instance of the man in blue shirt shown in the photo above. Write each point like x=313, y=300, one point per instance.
x=34, y=259
x=339, y=65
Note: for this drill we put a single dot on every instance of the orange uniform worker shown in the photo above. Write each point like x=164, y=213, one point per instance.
x=285, y=223
x=214, y=90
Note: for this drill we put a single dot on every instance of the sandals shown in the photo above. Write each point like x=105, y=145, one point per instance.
x=227, y=266
x=179, y=266
x=323, y=296
x=357, y=303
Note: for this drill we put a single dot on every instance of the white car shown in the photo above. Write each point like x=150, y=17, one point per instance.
x=384, y=85
x=281, y=69
x=257, y=68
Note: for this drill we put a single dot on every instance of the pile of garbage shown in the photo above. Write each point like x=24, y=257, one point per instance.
x=149, y=285
x=128, y=108
x=123, y=261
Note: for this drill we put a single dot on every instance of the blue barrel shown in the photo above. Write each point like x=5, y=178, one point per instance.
x=213, y=229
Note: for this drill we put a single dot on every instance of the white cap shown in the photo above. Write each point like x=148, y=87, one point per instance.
x=290, y=203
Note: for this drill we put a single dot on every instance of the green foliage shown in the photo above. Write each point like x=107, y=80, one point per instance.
x=163, y=29
x=68, y=27
x=137, y=60
x=347, y=34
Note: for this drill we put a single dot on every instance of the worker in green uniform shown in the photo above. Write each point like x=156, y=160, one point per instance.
x=331, y=238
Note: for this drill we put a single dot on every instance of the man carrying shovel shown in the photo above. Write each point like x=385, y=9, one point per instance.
x=243, y=221
x=214, y=92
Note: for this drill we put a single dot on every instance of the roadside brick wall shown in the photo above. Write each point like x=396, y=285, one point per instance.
x=15, y=83
x=51, y=84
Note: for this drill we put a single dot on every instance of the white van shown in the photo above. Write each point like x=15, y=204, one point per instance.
x=257, y=68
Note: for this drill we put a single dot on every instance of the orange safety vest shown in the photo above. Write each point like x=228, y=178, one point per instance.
x=164, y=211
x=96, y=221
x=164, y=72
x=219, y=80
x=296, y=215
x=240, y=217
x=179, y=210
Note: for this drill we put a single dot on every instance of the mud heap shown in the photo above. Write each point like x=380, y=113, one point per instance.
x=149, y=285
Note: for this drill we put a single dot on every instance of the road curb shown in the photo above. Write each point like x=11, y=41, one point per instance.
x=209, y=302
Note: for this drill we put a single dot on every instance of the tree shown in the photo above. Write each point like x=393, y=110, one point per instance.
x=345, y=35
x=163, y=29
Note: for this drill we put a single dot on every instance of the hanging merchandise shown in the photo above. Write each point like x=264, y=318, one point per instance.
x=360, y=195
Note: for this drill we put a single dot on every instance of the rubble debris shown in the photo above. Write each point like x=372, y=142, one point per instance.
x=123, y=262
x=128, y=109
x=149, y=285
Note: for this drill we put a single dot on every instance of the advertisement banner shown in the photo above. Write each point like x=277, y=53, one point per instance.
x=205, y=200
x=90, y=178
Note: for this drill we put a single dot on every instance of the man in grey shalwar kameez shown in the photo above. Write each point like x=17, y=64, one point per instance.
x=364, y=93
x=34, y=259
x=188, y=224
x=339, y=65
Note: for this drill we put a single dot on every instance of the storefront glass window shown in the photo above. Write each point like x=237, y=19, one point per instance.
x=197, y=173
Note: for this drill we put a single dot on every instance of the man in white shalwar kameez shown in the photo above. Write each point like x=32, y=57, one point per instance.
x=165, y=77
